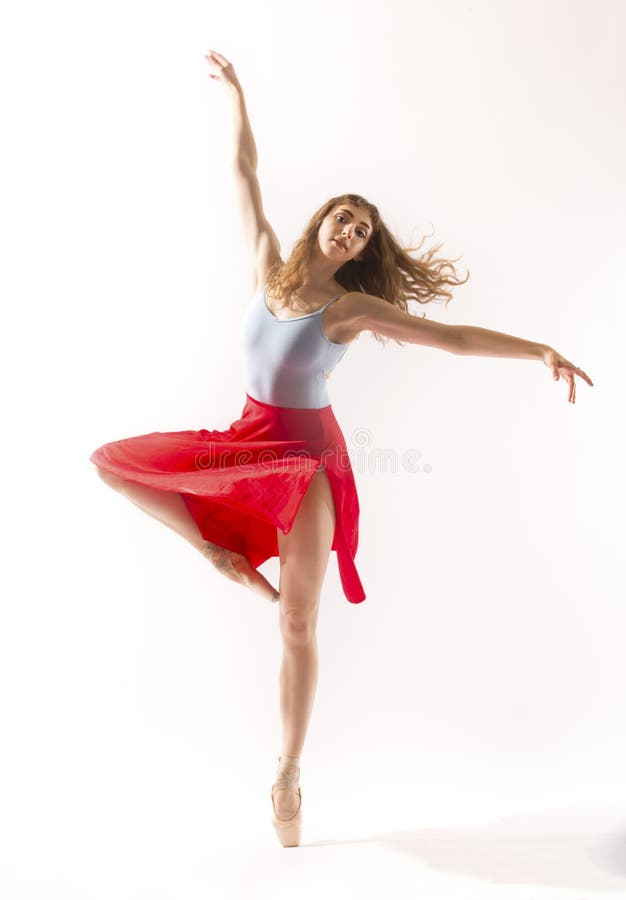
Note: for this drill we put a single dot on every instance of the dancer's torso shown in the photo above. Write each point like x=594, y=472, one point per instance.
x=288, y=360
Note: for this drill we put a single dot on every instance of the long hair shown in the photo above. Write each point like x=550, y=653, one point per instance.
x=385, y=270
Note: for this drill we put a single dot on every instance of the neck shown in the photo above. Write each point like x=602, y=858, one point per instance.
x=320, y=272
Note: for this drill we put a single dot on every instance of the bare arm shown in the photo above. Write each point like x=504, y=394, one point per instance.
x=475, y=341
x=244, y=146
x=366, y=312
x=482, y=342
x=263, y=245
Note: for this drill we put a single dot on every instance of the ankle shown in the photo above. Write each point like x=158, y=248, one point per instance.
x=289, y=766
x=285, y=759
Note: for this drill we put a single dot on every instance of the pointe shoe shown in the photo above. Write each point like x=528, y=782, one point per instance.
x=289, y=830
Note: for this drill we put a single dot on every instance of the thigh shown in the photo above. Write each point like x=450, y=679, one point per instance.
x=305, y=550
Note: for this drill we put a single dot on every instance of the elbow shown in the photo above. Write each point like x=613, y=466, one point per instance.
x=450, y=338
x=457, y=340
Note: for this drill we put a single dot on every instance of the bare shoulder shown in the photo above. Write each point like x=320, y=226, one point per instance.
x=367, y=312
x=348, y=317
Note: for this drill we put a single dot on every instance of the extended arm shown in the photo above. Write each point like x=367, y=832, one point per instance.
x=475, y=341
x=261, y=239
x=375, y=314
x=368, y=312
x=244, y=146
x=482, y=342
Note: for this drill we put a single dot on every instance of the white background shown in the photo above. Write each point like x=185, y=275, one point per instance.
x=483, y=676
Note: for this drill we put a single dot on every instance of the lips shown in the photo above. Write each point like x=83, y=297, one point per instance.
x=339, y=243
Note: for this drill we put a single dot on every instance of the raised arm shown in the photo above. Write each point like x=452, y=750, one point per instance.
x=262, y=243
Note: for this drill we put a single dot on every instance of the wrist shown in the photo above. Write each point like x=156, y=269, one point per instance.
x=235, y=90
x=542, y=349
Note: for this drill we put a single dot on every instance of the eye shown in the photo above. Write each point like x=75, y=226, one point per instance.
x=361, y=233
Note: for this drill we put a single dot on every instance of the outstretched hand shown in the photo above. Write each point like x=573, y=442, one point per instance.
x=221, y=69
x=562, y=367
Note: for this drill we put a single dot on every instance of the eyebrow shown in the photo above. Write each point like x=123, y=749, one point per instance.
x=352, y=214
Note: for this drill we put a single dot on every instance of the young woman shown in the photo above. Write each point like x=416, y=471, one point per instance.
x=278, y=481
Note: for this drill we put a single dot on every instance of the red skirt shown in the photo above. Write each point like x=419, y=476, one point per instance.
x=243, y=483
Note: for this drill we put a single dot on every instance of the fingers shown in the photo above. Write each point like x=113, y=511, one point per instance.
x=224, y=71
x=568, y=375
x=581, y=374
x=578, y=371
x=211, y=55
x=212, y=59
x=570, y=371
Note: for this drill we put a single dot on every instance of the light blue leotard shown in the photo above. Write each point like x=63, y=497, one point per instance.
x=287, y=360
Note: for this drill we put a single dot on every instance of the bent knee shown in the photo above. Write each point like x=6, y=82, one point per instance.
x=109, y=477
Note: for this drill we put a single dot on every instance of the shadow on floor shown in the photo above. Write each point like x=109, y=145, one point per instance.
x=575, y=847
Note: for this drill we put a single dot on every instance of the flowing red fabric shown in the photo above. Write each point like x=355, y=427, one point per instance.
x=243, y=483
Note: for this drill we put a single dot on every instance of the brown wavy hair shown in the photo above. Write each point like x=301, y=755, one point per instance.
x=385, y=270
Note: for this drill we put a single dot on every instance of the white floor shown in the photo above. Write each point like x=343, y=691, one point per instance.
x=577, y=853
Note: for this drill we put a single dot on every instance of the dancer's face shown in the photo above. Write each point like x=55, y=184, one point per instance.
x=349, y=224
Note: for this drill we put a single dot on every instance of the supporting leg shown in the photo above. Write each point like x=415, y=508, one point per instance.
x=304, y=554
x=298, y=682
